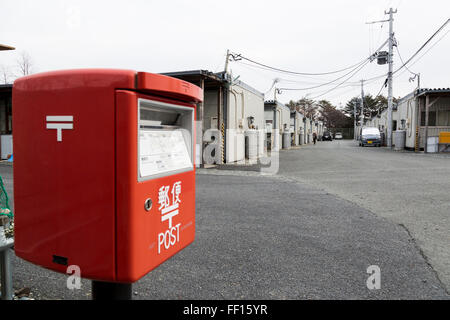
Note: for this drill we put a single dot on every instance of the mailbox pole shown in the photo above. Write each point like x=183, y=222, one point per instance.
x=111, y=291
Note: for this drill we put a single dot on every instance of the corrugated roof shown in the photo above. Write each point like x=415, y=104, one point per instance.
x=195, y=75
x=432, y=90
x=6, y=88
x=219, y=77
x=277, y=103
x=423, y=91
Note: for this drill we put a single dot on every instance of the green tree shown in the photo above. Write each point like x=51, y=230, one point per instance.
x=372, y=106
x=332, y=117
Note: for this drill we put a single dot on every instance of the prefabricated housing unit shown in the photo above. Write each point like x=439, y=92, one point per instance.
x=423, y=113
x=245, y=112
x=278, y=118
x=410, y=115
x=296, y=127
x=229, y=109
x=309, y=125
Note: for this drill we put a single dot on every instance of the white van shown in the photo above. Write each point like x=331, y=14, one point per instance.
x=370, y=136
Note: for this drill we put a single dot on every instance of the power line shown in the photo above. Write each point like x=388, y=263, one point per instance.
x=249, y=65
x=379, y=92
x=319, y=85
x=237, y=57
x=382, y=87
x=349, y=84
x=370, y=80
x=423, y=46
x=354, y=68
x=418, y=59
x=327, y=83
x=334, y=88
x=434, y=44
x=401, y=60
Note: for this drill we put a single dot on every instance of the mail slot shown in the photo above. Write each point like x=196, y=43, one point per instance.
x=103, y=170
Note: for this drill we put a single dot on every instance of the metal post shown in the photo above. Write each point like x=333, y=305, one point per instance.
x=418, y=124
x=5, y=261
x=362, y=103
x=220, y=122
x=419, y=114
x=354, y=120
x=427, y=118
x=111, y=291
x=227, y=60
x=200, y=119
x=295, y=126
x=201, y=104
x=391, y=64
x=6, y=274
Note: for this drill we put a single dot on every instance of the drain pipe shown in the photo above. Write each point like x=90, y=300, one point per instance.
x=235, y=107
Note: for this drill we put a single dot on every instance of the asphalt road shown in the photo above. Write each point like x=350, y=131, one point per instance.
x=272, y=238
x=409, y=189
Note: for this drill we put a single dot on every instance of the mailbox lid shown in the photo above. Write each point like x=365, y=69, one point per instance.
x=145, y=82
x=139, y=248
x=168, y=87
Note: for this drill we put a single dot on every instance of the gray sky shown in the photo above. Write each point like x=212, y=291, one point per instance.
x=161, y=36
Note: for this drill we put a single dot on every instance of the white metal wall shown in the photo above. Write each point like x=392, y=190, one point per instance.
x=407, y=110
x=242, y=103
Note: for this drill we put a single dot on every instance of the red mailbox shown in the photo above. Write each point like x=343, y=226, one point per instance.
x=103, y=170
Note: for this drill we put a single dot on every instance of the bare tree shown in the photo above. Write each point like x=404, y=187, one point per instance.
x=305, y=106
x=5, y=74
x=24, y=64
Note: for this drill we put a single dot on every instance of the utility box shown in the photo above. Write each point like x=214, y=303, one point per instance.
x=103, y=170
x=399, y=137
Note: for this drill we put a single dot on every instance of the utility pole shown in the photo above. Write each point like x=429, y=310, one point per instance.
x=391, y=42
x=354, y=120
x=391, y=65
x=227, y=60
x=362, y=103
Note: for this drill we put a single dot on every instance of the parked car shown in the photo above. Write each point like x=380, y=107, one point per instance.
x=327, y=136
x=338, y=136
x=370, y=136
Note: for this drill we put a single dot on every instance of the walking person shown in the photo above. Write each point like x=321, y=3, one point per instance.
x=314, y=137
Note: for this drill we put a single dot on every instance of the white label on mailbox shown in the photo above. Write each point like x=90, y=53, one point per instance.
x=162, y=151
x=169, y=208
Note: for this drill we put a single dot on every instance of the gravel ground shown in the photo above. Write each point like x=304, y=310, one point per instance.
x=411, y=190
x=271, y=238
